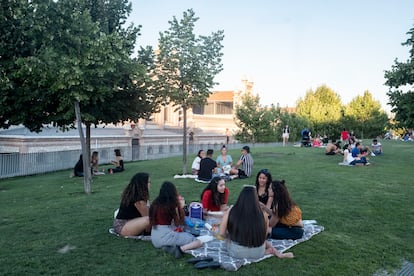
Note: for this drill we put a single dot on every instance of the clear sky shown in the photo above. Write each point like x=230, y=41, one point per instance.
x=289, y=47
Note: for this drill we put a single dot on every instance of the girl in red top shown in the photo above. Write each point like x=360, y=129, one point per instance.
x=344, y=135
x=166, y=216
x=215, y=196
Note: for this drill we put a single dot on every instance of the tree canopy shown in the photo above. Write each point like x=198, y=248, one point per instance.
x=186, y=65
x=323, y=105
x=57, y=55
x=364, y=115
x=400, y=80
x=70, y=55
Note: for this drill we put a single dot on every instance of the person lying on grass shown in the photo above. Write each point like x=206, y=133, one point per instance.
x=166, y=217
x=245, y=225
x=132, y=218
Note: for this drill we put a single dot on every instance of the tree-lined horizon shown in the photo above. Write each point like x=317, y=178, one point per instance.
x=321, y=111
x=58, y=55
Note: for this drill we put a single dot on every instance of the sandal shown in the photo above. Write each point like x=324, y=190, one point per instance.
x=199, y=259
x=202, y=265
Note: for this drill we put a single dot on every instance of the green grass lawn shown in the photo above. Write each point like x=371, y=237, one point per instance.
x=367, y=213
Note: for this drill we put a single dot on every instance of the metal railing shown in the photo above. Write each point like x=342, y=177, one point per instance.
x=21, y=164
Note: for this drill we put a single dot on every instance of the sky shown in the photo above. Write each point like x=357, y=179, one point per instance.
x=287, y=48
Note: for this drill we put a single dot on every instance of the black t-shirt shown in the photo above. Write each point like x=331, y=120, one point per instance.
x=207, y=166
x=128, y=212
x=78, y=168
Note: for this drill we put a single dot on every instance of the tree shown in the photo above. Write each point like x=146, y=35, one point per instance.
x=256, y=123
x=400, y=80
x=366, y=116
x=323, y=105
x=248, y=116
x=185, y=67
x=323, y=108
x=69, y=60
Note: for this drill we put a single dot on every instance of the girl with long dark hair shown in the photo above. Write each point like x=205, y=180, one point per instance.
x=166, y=217
x=215, y=196
x=286, y=221
x=263, y=181
x=132, y=217
x=246, y=227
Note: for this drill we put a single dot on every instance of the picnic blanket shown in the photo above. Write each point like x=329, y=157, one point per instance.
x=217, y=248
x=185, y=176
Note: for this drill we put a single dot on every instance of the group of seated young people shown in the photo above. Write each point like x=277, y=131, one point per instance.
x=357, y=154
x=205, y=167
x=267, y=203
x=94, y=164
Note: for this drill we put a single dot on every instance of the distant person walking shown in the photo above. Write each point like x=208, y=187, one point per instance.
x=285, y=135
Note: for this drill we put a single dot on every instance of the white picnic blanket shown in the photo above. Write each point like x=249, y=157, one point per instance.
x=217, y=248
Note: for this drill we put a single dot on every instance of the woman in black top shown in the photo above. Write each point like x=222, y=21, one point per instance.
x=132, y=217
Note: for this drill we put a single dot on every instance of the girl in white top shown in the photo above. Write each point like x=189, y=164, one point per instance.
x=347, y=155
x=195, y=167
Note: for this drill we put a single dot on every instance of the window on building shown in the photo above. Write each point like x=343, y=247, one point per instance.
x=214, y=108
x=224, y=108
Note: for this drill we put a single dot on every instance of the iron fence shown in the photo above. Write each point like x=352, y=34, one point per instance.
x=22, y=164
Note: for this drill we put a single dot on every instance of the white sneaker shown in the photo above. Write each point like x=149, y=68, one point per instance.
x=372, y=154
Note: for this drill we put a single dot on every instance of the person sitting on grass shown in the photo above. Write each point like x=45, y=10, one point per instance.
x=78, y=170
x=215, y=196
x=333, y=148
x=376, y=147
x=286, y=221
x=208, y=167
x=166, y=217
x=118, y=162
x=95, y=164
x=359, y=155
x=224, y=162
x=245, y=225
x=263, y=181
x=246, y=164
x=132, y=217
x=195, y=167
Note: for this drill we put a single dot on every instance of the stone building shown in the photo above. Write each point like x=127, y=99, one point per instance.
x=208, y=124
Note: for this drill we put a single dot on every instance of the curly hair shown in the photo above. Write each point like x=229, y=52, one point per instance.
x=282, y=198
x=137, y=189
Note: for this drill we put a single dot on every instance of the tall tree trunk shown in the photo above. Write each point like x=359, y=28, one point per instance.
x=88, y=142
x=85, y=157
x=184, y=139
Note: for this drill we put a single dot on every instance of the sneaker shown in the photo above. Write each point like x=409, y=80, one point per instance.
x=367, y=164
x=372, y=154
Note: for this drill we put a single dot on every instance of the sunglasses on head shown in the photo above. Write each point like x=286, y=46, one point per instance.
x=265, y=171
